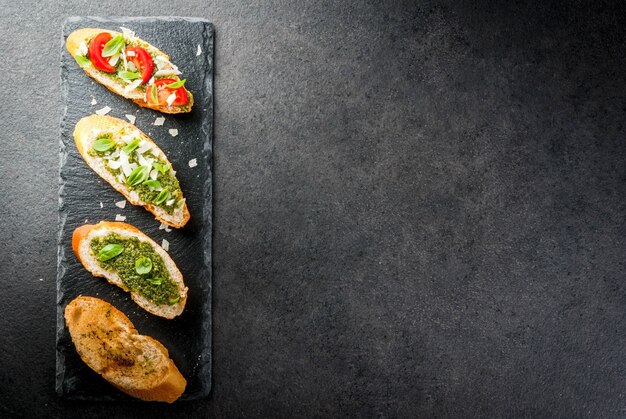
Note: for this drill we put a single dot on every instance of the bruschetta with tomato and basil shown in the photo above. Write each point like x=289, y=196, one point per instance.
x=130, y=67
x=134, y=165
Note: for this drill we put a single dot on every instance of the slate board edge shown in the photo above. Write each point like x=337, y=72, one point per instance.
x=207, y=130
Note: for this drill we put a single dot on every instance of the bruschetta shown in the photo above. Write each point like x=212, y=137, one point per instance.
x=134, y=165
x=126, y=257
x=109, y=344
x=130, y=67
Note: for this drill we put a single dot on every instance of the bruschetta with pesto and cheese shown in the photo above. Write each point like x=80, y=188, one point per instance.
x=107, y=341
x=130, y=67
x=128, y=258
x=134, y=165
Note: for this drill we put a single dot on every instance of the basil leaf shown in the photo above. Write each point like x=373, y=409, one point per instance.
x=103, y=144
x=82, y=61
x=172, y=301
x=130, y=147
x=153, y=94
x=155, y=281
x=114, y=46
x=176, y=85
x=152, y=183
x=138, y=175
x=162, y=197
x=143, y=265
x=110, y=251
x=163, y=168
x=128, y=75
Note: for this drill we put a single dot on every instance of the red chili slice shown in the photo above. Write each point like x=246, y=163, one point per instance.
x=142, y=60
x=163, y=92
x=95, y=52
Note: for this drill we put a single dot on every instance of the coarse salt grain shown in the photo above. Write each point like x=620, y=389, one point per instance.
x=131, y=118
x=199, y=50
x=173, y=132
x=93, y=101
x=121, y=204
x=101, y=205
x=120, y=217
x=159, y=121
x=193, y=162
x=165, y=245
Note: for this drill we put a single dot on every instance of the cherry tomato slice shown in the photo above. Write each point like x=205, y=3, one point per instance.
x=163, y=92
x=95, y=52
x=142, y=60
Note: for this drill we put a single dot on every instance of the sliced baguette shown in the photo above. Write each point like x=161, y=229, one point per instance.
x=109, y=344
x=79, y=36
x=86, y=132
x=81, y=244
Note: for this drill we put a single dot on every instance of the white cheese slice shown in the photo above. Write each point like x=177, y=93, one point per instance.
x=173, y=132
x=144, y=146
x=82, y=49
x=159, y=121
x=131, y=118
x=170, y=99
x=115, y=164
x=128, y=34
x=154, y=174
x=132, y=86
x=103, y=111
x=167, y=72
x=121, y=204
x=114, y=59
x=193, y=162
x=131, y=53
x=170, y=202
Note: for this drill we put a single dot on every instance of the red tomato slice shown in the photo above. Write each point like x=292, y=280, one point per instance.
x=143, y=61
x=163, y=92
x=95, y=52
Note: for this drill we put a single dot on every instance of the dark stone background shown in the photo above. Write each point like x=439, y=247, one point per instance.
x=419, y=208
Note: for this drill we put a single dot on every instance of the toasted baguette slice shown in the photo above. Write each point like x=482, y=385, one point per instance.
x=86, y=132
x=109, y=344
x=81, y=244
x=137, y=95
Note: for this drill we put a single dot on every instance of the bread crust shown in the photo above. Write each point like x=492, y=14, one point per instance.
x=83, y=134
x=80, y=35
x=107, y=341
x=81, y=239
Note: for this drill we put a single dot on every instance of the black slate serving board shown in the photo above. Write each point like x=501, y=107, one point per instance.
x=85, y=197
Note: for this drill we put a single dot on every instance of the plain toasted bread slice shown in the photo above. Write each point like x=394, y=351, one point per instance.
x=86, y=132
x=109, y=344
x=81, y=244
x=137, y=95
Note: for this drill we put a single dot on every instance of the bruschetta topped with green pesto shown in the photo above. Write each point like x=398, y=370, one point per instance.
x=131, y=67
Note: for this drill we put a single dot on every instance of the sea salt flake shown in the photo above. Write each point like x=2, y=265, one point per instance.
x=120, y=217
x=121, y=204
x=193, y=162
x=165, y=245
x=131, y=118
x=159, y=121
x=173, y=132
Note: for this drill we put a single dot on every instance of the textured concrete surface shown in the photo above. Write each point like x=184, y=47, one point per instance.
x=419, y=209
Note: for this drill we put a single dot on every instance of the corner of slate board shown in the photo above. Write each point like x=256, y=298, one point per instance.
x=188, y=337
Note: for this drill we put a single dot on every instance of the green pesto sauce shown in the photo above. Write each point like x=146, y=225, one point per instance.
x=168, y=180
x=124, y=266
